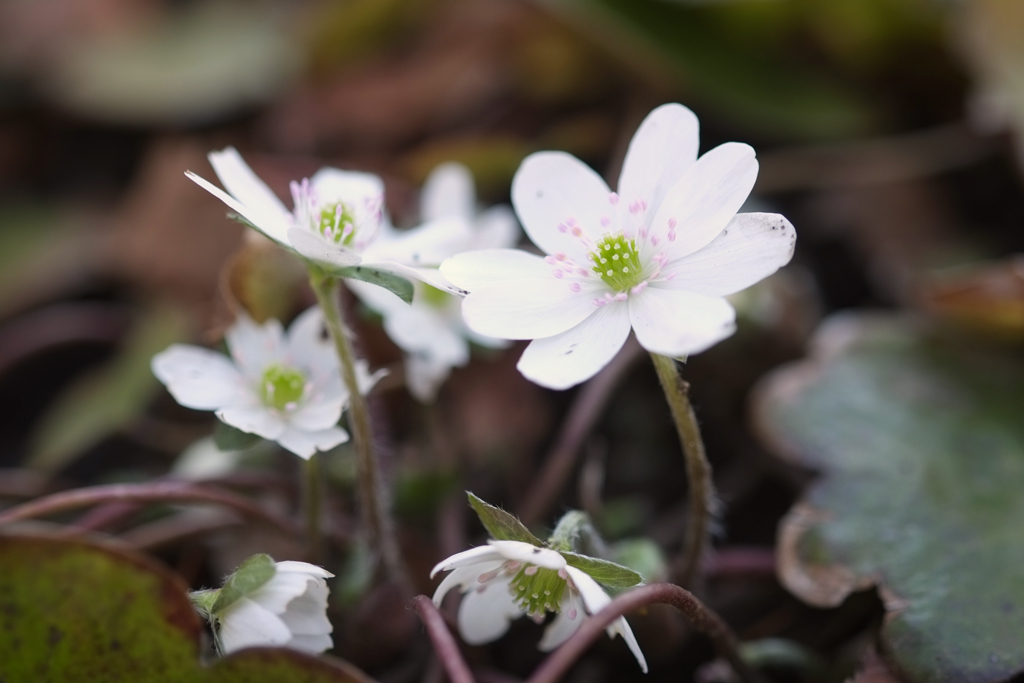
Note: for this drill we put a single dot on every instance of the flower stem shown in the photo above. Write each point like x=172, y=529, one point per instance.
x=374, y=509
x=312, y=498
x=696, y=613
x=698, y=469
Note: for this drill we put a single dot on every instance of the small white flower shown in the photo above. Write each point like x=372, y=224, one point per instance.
x=289, y=610
x=506, y=579
x=336, y=220
x=431, y=330
x=285, y=388
x=657, y=257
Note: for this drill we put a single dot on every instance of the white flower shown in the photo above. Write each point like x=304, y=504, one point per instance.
x=336, y=220
x=658, y=257
x=285, y=388
x=431, y=330
x=289, y=610
x=506, y=579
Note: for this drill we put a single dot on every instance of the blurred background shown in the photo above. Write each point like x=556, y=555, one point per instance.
x=888, y=131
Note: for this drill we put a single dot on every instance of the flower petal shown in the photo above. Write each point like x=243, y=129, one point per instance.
x=254, y=419
x=448, y=191
x=485, y=613
x=594, y=597
x=676, y=323
x=310, y=346
x=199, y=378
x=662, y=149
x=247, y=624
x=281, y=589
x=425, y=375
x=706, y=198
x=321, y=412
x=305, y=443
x=621, y=627
x=496, y=228
x=548, y=190
x=565, y=623
x=335, y=185
x=574, y=356
x=464, y=577
x=426, y=245
x=311, y=643
x=302, y=568
x=750, y=248
x=307, y=614
x=514, y=295
x=481, y=553
x=316, y=248
x=255, y=218
x=518, y=551
x=246, y=187
x=256, y=347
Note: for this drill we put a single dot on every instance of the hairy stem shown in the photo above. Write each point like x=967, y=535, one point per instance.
x=445, y=647
x=698, y=469
x=700, y=617
x=312, y=498
x=374, y=509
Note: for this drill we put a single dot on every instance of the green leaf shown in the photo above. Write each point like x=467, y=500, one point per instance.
x=501, y=525
x=249, y=576
x=228, y=438
x=395, y=284
x=76, y=611
x=610, y=574
x=920, y=445
x=108, y=399
x=643, y=556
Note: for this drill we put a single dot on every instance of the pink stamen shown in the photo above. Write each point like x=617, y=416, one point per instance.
x=550, y=260
x=613, y=198
x=583, y=271
x=560, y=255
x=655, y=240
x=635, y=207
x=531, y=570
x=575, y=287
x=562, y=574
x=576, y=231
x=558, y=274
x=605, y=221
x=621, y=296
x=562, y=227
x=571, y=613
x=671, y=236
x=671, y=223
x=599, y=302
x=639, y=288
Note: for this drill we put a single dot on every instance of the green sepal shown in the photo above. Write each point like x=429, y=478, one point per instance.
x=501, y=525
x=204, y=600
x=396, y=284
x=249, y=576
x=609, y=573
x=228, y=438
x=239, y=218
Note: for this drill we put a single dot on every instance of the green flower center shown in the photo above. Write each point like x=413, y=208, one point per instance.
x=617, y=261
x=436, y=298
x=282, y=386
x=338, y=223
x=538, y=592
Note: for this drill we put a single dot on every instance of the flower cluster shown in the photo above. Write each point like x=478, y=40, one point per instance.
x=505, y=580
x=282, y=387
x=656, y=257
x=267, y=603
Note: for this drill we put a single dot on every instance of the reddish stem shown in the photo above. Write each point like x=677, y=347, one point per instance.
x=699, y=616
x=177, y=492
x=444, y=643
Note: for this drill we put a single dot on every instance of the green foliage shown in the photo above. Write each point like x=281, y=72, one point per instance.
x=395, y=284
x=501, y=525
x=77, y=612
x=609, y=573
x=920, y=443
x=108, y=399
x=249, y=576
